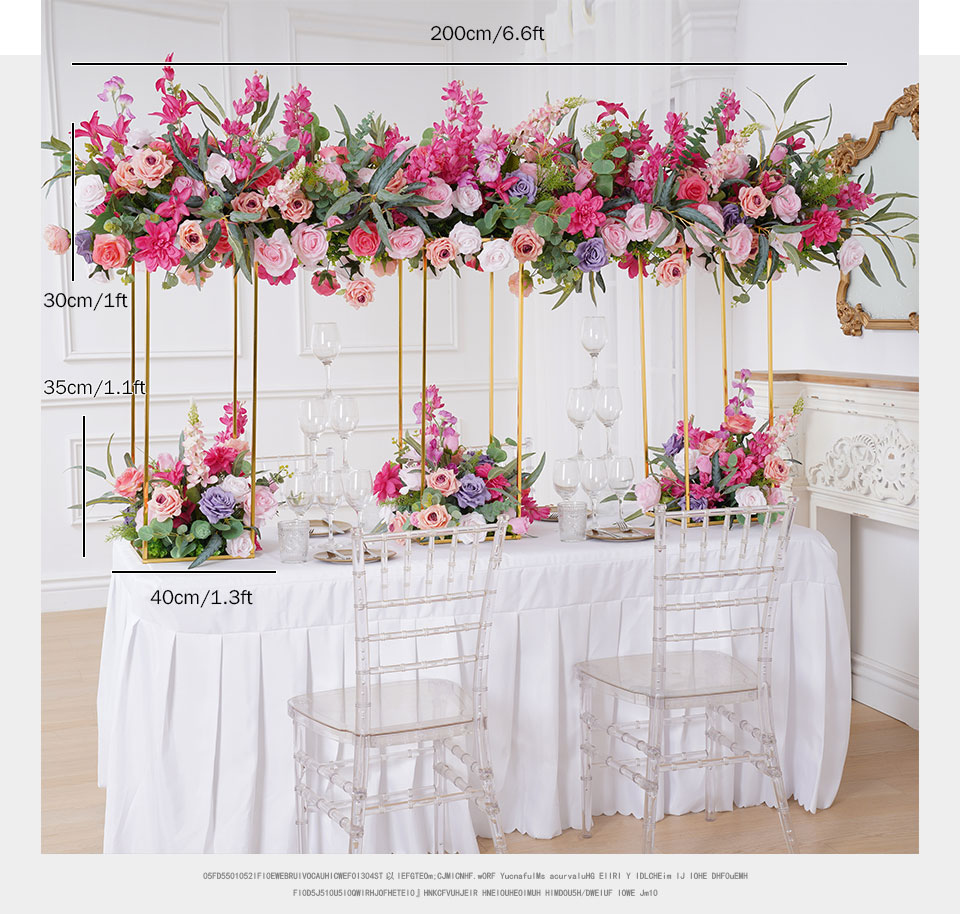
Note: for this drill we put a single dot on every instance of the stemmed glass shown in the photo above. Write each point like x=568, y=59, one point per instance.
x=328, y=489
x=344, y=417
x=619, y=478
x=593, y=337
x=609, y=405
x=579, y=410
x=300, y=491
x=566, y=477
x=314, y=414
x=593, y=478
x=325, y=343
x=358, y=491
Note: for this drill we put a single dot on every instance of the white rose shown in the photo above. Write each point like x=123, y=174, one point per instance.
x=237, y=486
x=850, y=255
x=89, y=192
x=648, y=493
x=410, y=477
x=137, y=137
x=467, y=238
x=467, y=199
x=469, y=522
x=240, y=545
x=218, y=168
x=750, y=497
x=496, y=255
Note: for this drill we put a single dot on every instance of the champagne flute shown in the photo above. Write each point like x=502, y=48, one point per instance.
x=300, y=491
x=358, y=491
x=619, y=478
x=328, y=491
x=566, y=477
x=344, y=417
x=593, y=478
x=609, y=405
x=579, y=410
x=325, y=343
x=314, y=414
x=593, y=337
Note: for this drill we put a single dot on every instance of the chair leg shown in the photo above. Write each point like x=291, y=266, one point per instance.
x=358, y=800
x=439, y=812
x=490, y=805
x=655, y=741
x=586, y=759
x=774, y=772
x=299, y=780
x=711, y=774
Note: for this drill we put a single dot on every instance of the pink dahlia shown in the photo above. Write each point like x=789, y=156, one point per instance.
x=158, y=249
x=219, y=459
x=822, y=227
x=586, y=217
x=387, y=483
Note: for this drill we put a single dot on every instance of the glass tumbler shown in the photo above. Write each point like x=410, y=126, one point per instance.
x=294, y=539
x=572, y=517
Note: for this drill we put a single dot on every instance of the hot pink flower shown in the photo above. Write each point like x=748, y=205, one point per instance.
x=364, y=240
x=219, y=459
x=822, y=227
x=693, y=187
x=129, y=482
x=157, y=249
x=387, y=483
x=586, y=217
x=738, y=423
x=324, y=283
x=110, y=251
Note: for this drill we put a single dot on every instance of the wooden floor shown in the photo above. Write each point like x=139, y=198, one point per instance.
x=875, y=810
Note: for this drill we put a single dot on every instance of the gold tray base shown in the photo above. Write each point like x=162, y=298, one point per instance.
x=188, y=558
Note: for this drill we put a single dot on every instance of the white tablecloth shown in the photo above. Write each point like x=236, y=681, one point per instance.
x=195, y=746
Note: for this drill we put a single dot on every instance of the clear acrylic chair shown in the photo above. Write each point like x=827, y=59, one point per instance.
x=422, y=634
x=715, y=585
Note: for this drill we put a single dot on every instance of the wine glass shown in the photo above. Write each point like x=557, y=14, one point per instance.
x=325, y=343
x=593, y=337
x=358, y=491
x=593, y=478
x=314, y=414
x=300, y=491
x=619, y=478
x=579, y=410
x=328, y=490
x=609, y=405
x=344, y=417
x=566, y=477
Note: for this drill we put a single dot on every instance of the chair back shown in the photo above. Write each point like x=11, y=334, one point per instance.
x=722, y=565
x=425, y=611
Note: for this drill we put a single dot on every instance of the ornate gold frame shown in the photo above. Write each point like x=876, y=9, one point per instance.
x=850, y=151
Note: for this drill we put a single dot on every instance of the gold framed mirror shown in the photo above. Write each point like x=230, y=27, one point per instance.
x=894, y=157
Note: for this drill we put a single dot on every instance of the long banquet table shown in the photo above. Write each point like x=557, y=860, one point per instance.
x=195, y=746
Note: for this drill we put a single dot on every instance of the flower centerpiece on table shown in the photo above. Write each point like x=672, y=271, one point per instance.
x=461, y=486
x=734, y=466
x=199, y=503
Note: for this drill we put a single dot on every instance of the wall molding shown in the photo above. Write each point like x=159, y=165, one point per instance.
x=888, y=690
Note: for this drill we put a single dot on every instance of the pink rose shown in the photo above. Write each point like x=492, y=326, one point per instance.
x=615, y=236
x=396, y=183
x=332, y=173
x=693, y=187
x=150, y=166
x=776, y=469
x=738, y=168
x=194, y=187
x=786, y=204
x=434, y=517
x=771, y=182
x=129, y=482
x=527, y=244
x=670, y=271
x=165, y=501
x=241, y=545
x=513, y=283
x=444, y=481
x=442, y=193
x=709, y=446
x=275, y=254
x=850, y=255
x=364, y=240
x=324, y=285
x=775, y=496
x=309, y=243
x=467, y=199
x=125, y=178
x=387, y=268
x=648, y=493
x=188, y=277
x=359, y=292
x=778, y=154
x=398, y=522
x=110, y=251
x=404, y=243
x=57, y=238
x=467, y=238
x=739, y=423
x=497, y=254
x=520, y=525
x=251, y=203
x=700, y=237
x=190, y=236
x=739, y=241
x=440, y=251
x=266, y=505
x=753, y=202
x=642, y=229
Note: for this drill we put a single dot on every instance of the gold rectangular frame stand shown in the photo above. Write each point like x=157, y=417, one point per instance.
x=144, y=557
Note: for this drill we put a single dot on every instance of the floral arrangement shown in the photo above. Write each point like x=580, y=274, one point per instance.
x=198, y=504
x=735, y=466
x=464, y=487
x=233, y=192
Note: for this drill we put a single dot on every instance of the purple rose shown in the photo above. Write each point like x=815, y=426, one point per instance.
x=216, y=504
x=472, y=492
x=592, y=255
x=524, y=186
x=673, y=444
x=84, y=242
x=731, y=216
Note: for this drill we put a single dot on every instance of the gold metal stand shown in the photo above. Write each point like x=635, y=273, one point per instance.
x=400, y=354
x=423, y=383
x=520, y=398
x=491, y=354
x=686, y=405
x=236, y=326
x=770, y=333
x=133, y=362
x=643, y=379
x=253, y=415
x=723, y=328
x=146, y=416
